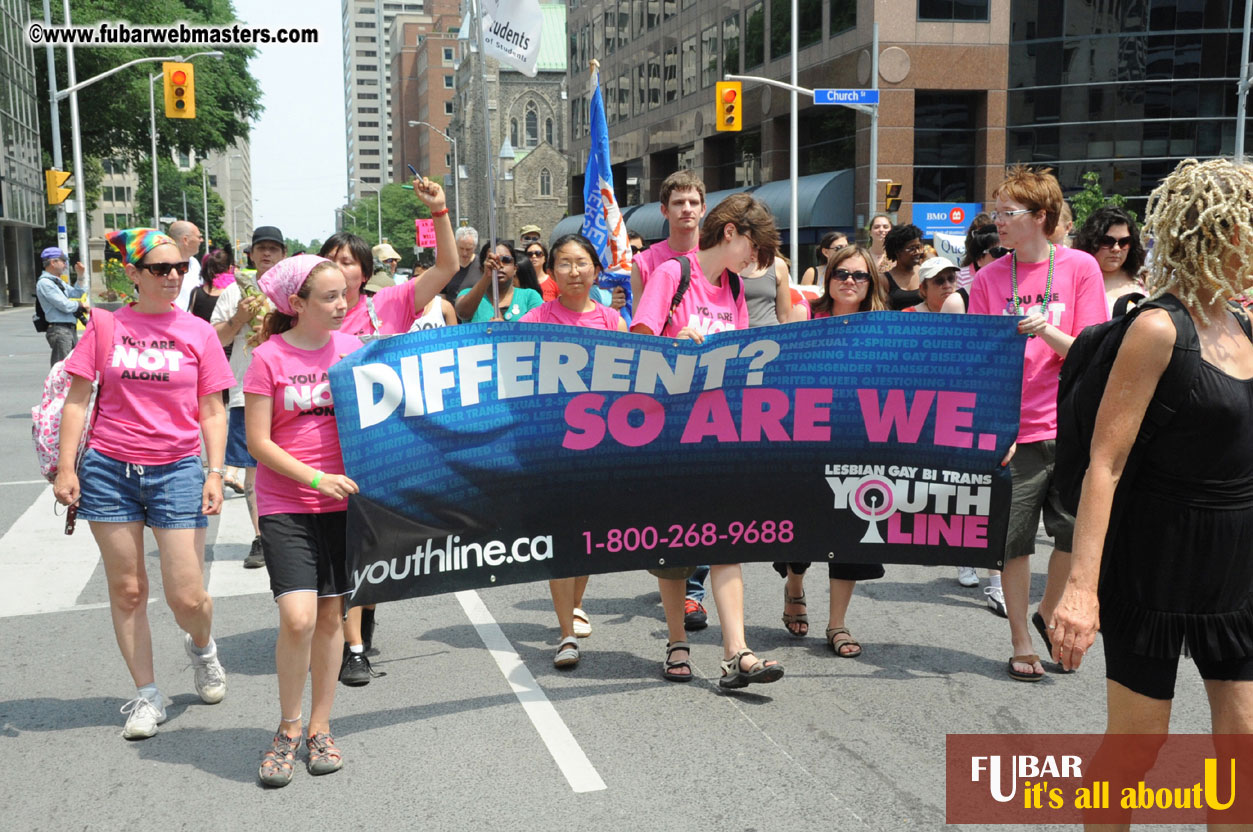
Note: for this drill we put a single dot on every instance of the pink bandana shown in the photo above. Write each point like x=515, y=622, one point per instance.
x=286, y=277
x=221, y=281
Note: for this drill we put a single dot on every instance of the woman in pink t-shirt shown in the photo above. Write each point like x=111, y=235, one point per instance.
x=302, y=497
x=160, y=390
x=735, y=236
x=853, y=284
x=575, y=267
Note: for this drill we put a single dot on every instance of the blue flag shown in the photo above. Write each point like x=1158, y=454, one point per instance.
x=602, y=221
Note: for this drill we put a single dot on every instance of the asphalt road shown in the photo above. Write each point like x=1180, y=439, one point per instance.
x=443, y=741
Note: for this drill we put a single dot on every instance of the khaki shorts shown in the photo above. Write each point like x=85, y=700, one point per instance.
x=1034, y=491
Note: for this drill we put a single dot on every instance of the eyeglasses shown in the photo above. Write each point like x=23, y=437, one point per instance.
x=164, y=269
x=999, y=251
x=916, y=248
x=945, y=276
x=636, y=249
x=566, y=268
x=857, y=277
x=506, y=259
x=997, y=215
x=1107, y=241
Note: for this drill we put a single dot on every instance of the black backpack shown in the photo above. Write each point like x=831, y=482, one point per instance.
x=1084, y=375
x=685, y=280
x=39, y=319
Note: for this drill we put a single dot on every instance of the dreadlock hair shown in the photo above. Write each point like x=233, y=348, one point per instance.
x=1200, y=222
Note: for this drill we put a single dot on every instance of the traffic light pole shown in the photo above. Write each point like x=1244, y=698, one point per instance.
x=874, y=123
x=63, y=237
x=80, y=208
x=152, y=127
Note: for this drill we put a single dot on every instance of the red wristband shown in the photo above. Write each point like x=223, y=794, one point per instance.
x=442, y=213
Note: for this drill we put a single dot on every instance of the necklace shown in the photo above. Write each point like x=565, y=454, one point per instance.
x=1048, y=284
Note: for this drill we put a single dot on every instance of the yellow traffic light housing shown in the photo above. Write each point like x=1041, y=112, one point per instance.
x=730, y=105
x=54, y=179
x=180, y=90
x=892, y=197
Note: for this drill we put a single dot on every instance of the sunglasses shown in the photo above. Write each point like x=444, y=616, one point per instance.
x=999, y=251
x=506, y=259
x=164, y=269
x=535, y=253
x=857, y=277
x=1107, y=241
x=945, y=276
x=636, y=249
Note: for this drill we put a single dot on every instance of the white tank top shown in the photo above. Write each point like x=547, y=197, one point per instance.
x=432, y=318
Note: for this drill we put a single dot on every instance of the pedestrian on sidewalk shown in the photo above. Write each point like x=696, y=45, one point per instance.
x=61, y=303
x=159, y=395
x=302, y=498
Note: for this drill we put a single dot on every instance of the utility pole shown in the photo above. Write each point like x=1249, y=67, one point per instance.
x=80, y=191
x=63, y=240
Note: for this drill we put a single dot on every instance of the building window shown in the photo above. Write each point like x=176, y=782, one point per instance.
x=367, y=53
x=654, y=16
x=447, y=108
x=944, y=145
x=654, y=83
x=709, y=56
x=532, y=124
x=611, y=26
x=731, y=45
x=367, y=109
x=809, y=26
x=447, y=82
x=366, y=68
x=641, y=89
x=213, y=180
x=638, y=8
x=624, y=22
x=365, y=125
x=364, y=24
x=953, y=10
x=671, y=69
x=689, y=66
x=754, y=36
x=370, y=151
x=545, y=183
x=447, y=53
x=843, y=16
x=448, y=160
x=184, y=161
x=548, y=131
x=513, y=132
x=624, y=95
x=669, y=8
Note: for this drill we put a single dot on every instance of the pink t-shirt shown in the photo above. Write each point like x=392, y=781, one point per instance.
x=1078, y=301
x=553, y=312
x=150, y=393
x=706, y=307
x=650, y=258
x=302, y=421
x=394, y=308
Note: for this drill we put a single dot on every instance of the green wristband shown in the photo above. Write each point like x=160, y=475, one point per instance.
x=317, y=478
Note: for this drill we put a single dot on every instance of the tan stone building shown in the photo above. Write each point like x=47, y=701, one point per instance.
x=425, y=51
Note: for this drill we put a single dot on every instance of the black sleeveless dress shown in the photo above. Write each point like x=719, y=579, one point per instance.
x=1181, y=560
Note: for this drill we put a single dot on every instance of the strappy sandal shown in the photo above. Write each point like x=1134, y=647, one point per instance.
x=279, y=761
x=735, y=676
x=791, y=618
x=567, y=652
x=324, y=756
x=667, y=671
x=1018, y=675
x=582, y=624
x=838, y=644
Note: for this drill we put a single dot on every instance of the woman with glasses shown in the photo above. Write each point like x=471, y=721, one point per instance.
x=1110, y=235
x=516, y=284
x=160, y=392
x=538, y=257
x=852, y=285
x=903, y=245
x=830, y=243
x=938, y=286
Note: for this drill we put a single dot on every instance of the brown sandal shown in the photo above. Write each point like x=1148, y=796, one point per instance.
x=838, y=643
x=1017, y=675
x=278, y=762
x=324, y=755
x=793, y=618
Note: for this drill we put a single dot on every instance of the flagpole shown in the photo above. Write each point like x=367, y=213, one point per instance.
x=487, y=141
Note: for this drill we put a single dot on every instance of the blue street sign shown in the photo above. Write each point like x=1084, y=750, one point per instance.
x=944, y=217
x=846, y=96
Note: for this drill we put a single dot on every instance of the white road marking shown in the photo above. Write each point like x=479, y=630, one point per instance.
x=227, y=575
x=562, y=745
x=43, y=569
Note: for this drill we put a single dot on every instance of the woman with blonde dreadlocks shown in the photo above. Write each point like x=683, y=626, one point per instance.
x=1178, y=572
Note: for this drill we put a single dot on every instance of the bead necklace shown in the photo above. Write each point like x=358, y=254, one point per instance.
x=1048, y=284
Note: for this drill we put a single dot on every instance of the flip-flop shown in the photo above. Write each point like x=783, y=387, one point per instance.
x=1043, y=630
x=582, y=624
x=1017, y=675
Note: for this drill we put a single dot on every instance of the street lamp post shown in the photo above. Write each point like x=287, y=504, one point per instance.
x=378, y=196
x=456, y=168
x=152, y=126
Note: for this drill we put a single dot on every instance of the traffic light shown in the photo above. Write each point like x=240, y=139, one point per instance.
x=730, y=105
x=180, y=90
x=892, y=197
x=54, y=179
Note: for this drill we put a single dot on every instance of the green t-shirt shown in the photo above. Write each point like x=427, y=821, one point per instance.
x=524, y=300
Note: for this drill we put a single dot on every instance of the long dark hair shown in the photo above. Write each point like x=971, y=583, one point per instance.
x=1098, y=224
x=524, y=272
x=215, y=263
x=984, y=238
x=358, y=247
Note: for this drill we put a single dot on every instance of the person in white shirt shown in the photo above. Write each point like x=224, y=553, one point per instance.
x=188, y=238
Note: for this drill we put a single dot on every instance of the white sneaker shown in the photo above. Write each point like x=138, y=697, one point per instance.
x=966, y=576
x=996, y=600
x=144, y=717
x=210, y=676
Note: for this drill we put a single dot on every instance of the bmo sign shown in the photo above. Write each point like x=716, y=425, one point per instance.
x=944, y=217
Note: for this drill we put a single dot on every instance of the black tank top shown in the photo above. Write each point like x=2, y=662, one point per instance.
x=899, y=298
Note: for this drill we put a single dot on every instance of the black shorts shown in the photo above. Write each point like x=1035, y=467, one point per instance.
x=1155, y=677
x=838, y=571
x=306, y=553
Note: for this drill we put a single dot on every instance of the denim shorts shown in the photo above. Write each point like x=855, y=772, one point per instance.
x=237, y=455
x=160, y=496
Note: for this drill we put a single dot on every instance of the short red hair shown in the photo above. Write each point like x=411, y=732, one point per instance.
x=1037, y=190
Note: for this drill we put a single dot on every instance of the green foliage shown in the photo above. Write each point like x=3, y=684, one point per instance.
x=400, y=209
x=1093, y=197
x=295, y=247
x=174, y=184
x=114, y=112
x=117, y=286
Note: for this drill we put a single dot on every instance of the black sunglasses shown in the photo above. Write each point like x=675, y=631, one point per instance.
x=506, y=259
x=636, y=249
x=999, y=251
x=535, y=253
x=164, y=269
x=1106, y=241
x=857, y=277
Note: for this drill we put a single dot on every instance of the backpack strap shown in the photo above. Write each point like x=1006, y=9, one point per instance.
x=1180, y=374
x=104, y=341
x=1125, y=303
x=733, y=280
x=1242, y=317
x=374, y=317
x=685, y=280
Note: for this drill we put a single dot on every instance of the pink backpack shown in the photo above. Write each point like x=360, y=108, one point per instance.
x=46, y=430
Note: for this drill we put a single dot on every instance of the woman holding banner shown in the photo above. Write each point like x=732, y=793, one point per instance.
x=575, y=267
x=736, y=235
x=1174, y=574
x=302, y=498
x=853, y=285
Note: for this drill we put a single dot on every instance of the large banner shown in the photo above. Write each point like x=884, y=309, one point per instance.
x=501, y=453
